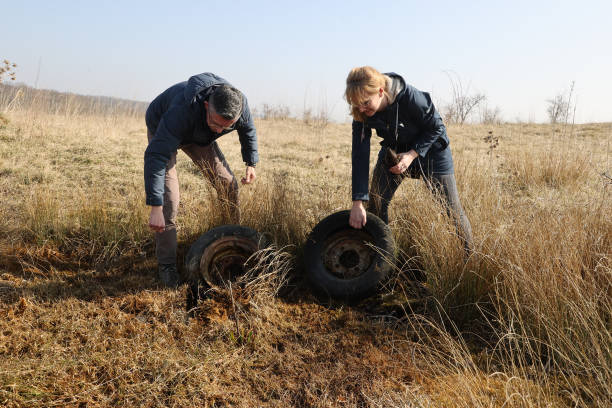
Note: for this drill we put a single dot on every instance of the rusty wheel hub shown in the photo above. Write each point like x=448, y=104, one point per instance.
x=347, y=254
x=224, y=260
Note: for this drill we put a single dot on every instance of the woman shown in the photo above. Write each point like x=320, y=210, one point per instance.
x=414, y=143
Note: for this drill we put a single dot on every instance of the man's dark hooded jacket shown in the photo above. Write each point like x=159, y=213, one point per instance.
x=178, y=117
x=410, y=122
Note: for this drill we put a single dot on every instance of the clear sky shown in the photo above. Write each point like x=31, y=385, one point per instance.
x=518, y=53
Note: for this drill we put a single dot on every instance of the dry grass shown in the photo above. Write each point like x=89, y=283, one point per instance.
x=524, y=322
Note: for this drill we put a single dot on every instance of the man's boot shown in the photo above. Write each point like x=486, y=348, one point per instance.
x=169, y=275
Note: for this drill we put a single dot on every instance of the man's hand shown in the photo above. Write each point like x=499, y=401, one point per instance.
x=358, y=216
x=249, y=176
x=405, y=159
x=156, y=219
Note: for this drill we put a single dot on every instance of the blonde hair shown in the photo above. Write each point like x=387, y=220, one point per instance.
x=362, y=82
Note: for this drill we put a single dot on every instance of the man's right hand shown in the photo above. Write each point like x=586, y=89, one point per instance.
x=156, y=219
x=249, y=175
x=358, y=216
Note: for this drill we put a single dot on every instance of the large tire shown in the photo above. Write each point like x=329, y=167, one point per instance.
x=345, y=263
x=217, y=256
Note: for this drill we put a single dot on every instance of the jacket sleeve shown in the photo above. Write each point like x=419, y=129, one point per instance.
x=164, y=143
x=248, y=136
x=422, y=111
x=360, y=159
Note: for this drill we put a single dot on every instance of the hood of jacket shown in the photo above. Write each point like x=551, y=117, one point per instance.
x=199, y=87
x=396, y=86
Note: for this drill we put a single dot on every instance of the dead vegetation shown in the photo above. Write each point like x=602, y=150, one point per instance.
x=524, y=322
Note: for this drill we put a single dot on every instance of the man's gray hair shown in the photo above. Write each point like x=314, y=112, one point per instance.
x=226, y=101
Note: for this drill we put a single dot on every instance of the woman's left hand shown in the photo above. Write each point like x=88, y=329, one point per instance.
x=405, y=159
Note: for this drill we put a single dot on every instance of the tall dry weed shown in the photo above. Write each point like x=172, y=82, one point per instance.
x=537, y=287
x=553, y=301
x=555, y=169
x=93, y=227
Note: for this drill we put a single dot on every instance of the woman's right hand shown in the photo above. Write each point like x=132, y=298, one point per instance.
x=358, y=216
x=156, y=219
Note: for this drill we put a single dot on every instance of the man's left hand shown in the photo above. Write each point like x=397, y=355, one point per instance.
x=249, y=176
x=405, y=160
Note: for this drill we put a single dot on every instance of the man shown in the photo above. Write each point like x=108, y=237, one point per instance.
x=191, y=116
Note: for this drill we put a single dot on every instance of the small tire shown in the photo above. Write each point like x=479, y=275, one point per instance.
x=345, y=263
x=218, y=255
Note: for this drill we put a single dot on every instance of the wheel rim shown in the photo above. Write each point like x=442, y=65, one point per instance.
x=348, y=254
x=225, y=259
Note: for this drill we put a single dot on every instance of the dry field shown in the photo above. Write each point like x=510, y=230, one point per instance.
x=525, y=322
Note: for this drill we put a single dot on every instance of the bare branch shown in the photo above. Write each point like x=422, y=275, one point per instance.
x=462, y=103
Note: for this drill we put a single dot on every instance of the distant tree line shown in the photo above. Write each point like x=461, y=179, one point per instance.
x=20, y=96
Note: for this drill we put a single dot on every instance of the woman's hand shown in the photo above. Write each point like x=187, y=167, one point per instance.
x=156, y=219
x=405, y=160
x=358, y=216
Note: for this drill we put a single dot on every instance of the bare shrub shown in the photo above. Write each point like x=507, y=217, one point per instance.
x=319, y=120
x=490, y=116
x=559, y=107
x=278, y=112
x=463, y=103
